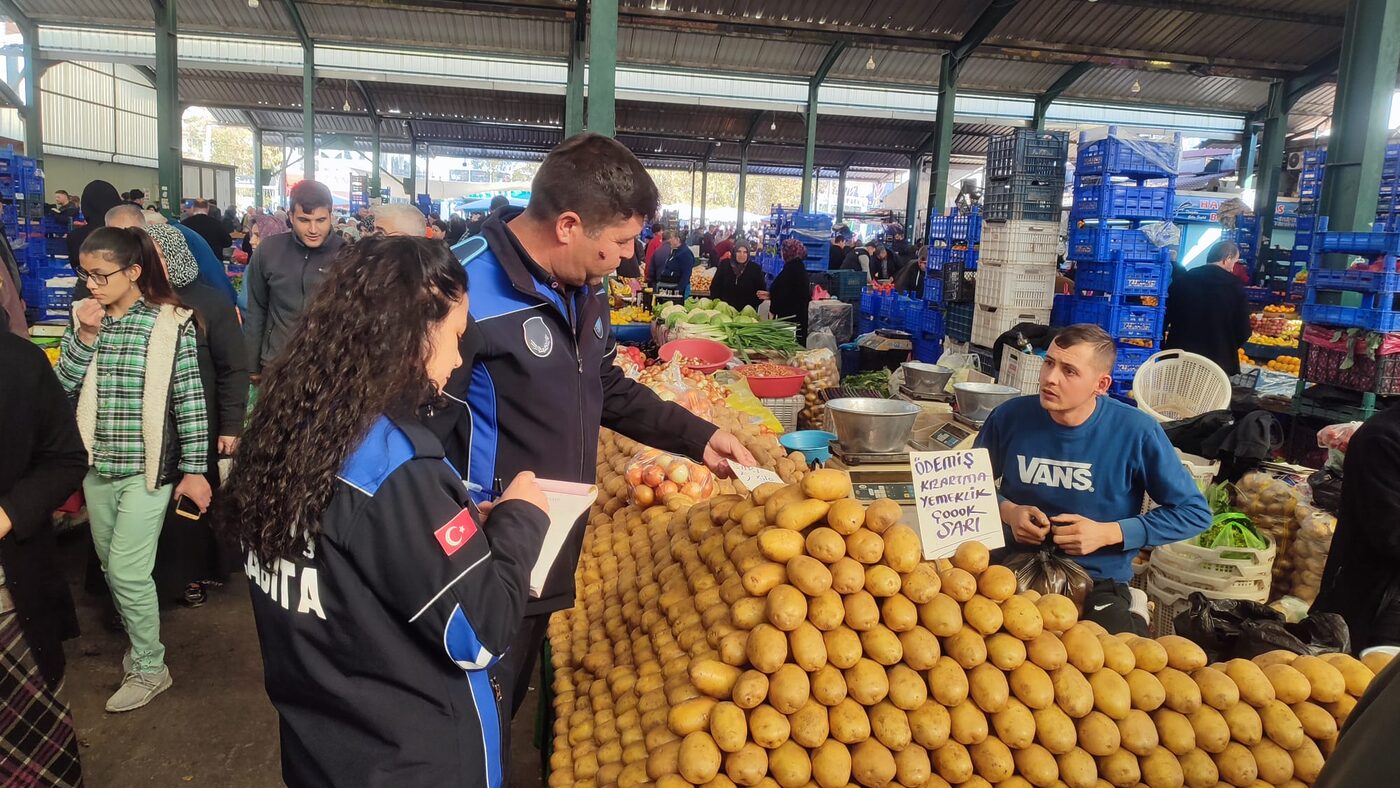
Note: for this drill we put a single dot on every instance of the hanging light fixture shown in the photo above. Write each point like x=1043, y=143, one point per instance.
x=252, y=3
x=1137, y=86
x=870, y=64
x=773, y=125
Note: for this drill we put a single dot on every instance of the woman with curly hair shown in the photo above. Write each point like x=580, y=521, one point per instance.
x=381, y=593
x=791, y=293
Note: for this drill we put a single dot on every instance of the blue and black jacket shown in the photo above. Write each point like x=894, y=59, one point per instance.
x=375, y=644
x=538, y=380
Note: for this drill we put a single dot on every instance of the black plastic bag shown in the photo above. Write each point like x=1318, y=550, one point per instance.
x=1230, y=628
x=1048, y=572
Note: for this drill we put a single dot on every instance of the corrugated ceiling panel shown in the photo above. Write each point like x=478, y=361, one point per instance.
x=136, y=135
x=890, y=66
x=1115, y=84
x=135, y=12
x=1008, y=76
x=269, y=18
x=717, y=52
x=89, y=82
x=1317, y=101
x=458, y=31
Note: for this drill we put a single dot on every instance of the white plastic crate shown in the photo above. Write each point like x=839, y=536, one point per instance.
x=988, y=323
x=785, y=409
x=1015, y=286
x=1019, y=241
x=1020, y=370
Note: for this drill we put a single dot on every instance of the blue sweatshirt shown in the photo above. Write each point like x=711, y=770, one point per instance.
x=1099, y=470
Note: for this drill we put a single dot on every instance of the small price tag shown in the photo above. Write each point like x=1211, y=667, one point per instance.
x=752, y=478
x=956, y=498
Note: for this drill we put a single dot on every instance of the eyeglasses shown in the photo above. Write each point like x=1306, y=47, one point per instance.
x=100, y=279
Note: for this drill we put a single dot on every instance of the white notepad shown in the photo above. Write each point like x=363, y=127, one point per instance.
x=567, y=502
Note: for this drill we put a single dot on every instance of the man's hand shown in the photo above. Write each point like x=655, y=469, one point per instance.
x=89, y=320
x=228, y=444
x=195, y=487
x=1028, y=524
x=723, y=447
x=1078, y=535
x=5, y=523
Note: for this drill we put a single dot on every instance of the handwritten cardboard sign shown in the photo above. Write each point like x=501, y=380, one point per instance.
x=956, y=498
x=752, y=477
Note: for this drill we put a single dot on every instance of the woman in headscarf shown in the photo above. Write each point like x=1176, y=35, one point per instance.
x=738, y=281
x=791, y=293
x=188, y=554
x=98, y=198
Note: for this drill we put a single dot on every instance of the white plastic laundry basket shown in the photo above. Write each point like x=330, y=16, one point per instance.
x=1174, y=384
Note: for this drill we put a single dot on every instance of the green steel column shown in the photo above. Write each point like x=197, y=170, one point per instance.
x=704, y=188
x=602, y=67
x=573, y=94
x=912, y=207
x=1361, y=115
x=1270, y=163
x=809, y=158
x=33, y=76
x=257, y=169
x=943, y=139
x=1249, y=139
x=374, y=164
x=308, y=111
x=412, y=183
x=841, y=195
x=743, y=182
x=168, y=116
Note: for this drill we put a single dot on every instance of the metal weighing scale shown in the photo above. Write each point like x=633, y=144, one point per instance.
x=876, y=476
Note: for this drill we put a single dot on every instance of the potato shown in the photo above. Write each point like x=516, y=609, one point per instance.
x=1073, y=693
x=920, y=583
x=1161, y=769
x=748, y=612
x=866, y=682
x=865, y=546
x=1307, y=762
x=729, y=727
x=1149, y=655
x=825, y=611
x=1174, y=731
x=1282, y=725
x=1198, y=769
x=748, y=766
x=789, y=689
x=1014, y=724
x=958, y=584
x=921, y=649
x=846, y=516
x=1083, y=648
x=1077, y=769
x=848, y=722
x=1047, y=651
x=767, y=648
x=762, y=578
x=842, y=647
x=807, y=574
x=930, y=725
x=1341, y=708
x=1120, y=768
x=1182, y=654
x=903, y=548
x=889, y=725
x=826, y=484
x=982, y=614
x=754, y=521
x=779, y=545
x=1245, y=725
x=1273, y=763
x=1005, y=651
x=825, y=545
x=713, y=678
x=1377, y=661
x=1182, y=693
x=881, y=645
x=1021, y=618
x=1316, y=722
x=1145, y=691
x=774, y=503
x=768, y=727
x=800, y=514
x=1236, y=765
x=1032, y=685
x=988, y=687
x=1327, y=682
x=881, y=581
x=972, y=557
x=789, y=765
x=1111, y=694
x=992, y=759
x=912, y=766
x=1098, y=734
x=1357, y=675
x=1212, y=732
x=1117, y=657
x=953, y=763
x=997, y=583
x=941, y=615
x=1254, y=686
x=898, y=613
x=1057, y=611
x=751, y=689
x=828, y=685
x=1055, y=730
x=948, y=682
x=731, y=648
x=967, y=723
x=1278, y=656
x=967, y=647
x=831, y=764
x=872, y=763
x=1137, y=733
x=1217, y=690
x=882, y=514
x=690, y=716
x=847, y=575
x=699, y=758
x=1290, y=686
x=908, y=690
x=665, y=760
x=861, y=611
x=810, y=726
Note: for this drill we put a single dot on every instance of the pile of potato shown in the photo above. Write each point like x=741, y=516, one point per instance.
x=795, y=637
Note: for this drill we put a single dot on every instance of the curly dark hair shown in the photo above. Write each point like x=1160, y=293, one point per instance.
x=360, y=351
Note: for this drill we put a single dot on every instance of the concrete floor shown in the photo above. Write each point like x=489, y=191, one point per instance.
x=215, y=726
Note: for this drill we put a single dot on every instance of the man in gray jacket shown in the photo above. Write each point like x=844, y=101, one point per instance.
x=285, y=271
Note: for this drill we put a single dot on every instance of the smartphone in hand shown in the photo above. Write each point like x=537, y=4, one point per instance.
x=187, y=508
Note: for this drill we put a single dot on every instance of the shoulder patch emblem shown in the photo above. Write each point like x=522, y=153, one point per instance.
x=598, y=328
x=538, y=338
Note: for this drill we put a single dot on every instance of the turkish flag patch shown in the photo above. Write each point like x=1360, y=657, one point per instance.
x=457, y=531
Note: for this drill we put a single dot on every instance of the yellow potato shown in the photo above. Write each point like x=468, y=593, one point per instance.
x=729, y=727
x=1005, y=651
x=831, y=764
x=1316, y=722
x=1341, y=708
x=1290, y=686
x=665, y=760
x=810, y=726
x=903, y=549
x=992, y=759
x=1198, y=769
x=1307, y=762
x=1161, y=769
x=982, y=614
x=1145, y=690
x=967, y=723
x=1358, y=677
x=779, y=545
x=825, y=545
x=872, y=763
x=1111, y=694
x=1149, y=655
x=866, y=682
x=920, y=583
x=881, y=645
x=699, y=758
x=1254, y=686
x=908, y=690
x=1182, y=654
x=713, y=678
x=865, y=546
x=1072, y=691
x=767, y=648
x=941, y=615
x=1014, y=725
x=921, y=649
x=1182, y=693
x=1083, y=648
x=948, y=682
x=1077, y=769
x=881, y=581
x=774, y=503
x=1276, y=657
x=799, y=515
x=882, y=514
x=690, y=716
x=828, y=685
x=953, y=763
x=1212, y=732
x=862, y=612
x=988, y=688
x=786, y=607
x=929, y=725
x=1057, y=611
x=751, y=689
x=967, y=647
x=807, y=574
x=1377, y=661
x=825, y=611
x=912, y=766
x=1273, y=763
x=789, y=765
x=768, y=727
x=1174, y=731
x=1245, y=725
x=898, y=613
x=842, y=647
x=1120, y=768
x=972, y=557
x=997, y=583
x=789, y=689
x=889, y=725
x=826, y=484
x=1282, y=725
x=958, y=584
x=847, y=575
x=1054, y=730
x=1098, y=735
x=1217, y=689
x=848, y=721
x=846, y=516
x=1236, y=765
x=759, y=580
x=1032, y=685
x=1021, y=618
x=748, y=766
x=754, y=521
x=1047, y=651
x=1137, y=733
x=1328, y=684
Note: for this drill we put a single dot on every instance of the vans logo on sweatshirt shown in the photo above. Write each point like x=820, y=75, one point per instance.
x=1078, y=476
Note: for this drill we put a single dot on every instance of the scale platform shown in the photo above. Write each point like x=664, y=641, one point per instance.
x=924, y=396
x=878, y=475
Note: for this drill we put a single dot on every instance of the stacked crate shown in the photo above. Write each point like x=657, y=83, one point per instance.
x=1021, y=237
x=954, y=251
x=38, y=238
x=1121, y=184
x=1309, y=224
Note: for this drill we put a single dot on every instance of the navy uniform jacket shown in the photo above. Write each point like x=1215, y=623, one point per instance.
x=375, y=645
x=538, y=380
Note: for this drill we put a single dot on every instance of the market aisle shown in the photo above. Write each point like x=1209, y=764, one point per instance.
x=215, y=727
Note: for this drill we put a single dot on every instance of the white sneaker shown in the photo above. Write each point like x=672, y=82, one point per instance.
x=138, y=689
x=127, y=662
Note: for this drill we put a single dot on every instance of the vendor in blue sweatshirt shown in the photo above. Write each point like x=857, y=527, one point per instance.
x=1074, y=465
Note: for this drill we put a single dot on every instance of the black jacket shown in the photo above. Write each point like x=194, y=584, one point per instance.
x=741, y=290
x=375, y=647
x=1366, y=754
x=911, y=280
x=223, y=359
x=836, y=255
x=1208, y=314
x=212, y=230
x=790, y=295
x=43, y=463
x=281, y=276
x=852, y=262
x=1362, y=578
x=538, y=380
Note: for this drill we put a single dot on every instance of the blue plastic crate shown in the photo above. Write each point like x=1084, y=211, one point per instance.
x=1124, y=278
x=956, y=226
x=933, y=322
x=928, y=350
x=959, y=321
x=1129, y=358
x=1306, y=224
x=1309, y=191
x=1121, y=321
x=914, y=317
x=48, y=302
x=870, y=302
x=1372, y=243
x=1140, y=158
x=933, y=288
x=1023, y=197
x=866, y=325
x=1314, y=157
x=1062, y=310
x=1331, y=314
x=1101, y=242
x=1387, y=281
x=1120, y=201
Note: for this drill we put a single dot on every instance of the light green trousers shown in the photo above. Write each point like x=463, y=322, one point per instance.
x=126, y=519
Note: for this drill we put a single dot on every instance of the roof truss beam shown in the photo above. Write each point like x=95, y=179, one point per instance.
x=982, y=27
x=1221, y=8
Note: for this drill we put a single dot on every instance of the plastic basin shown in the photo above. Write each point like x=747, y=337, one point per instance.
x=712, y=355
x=772, y=386
x=815, y=445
